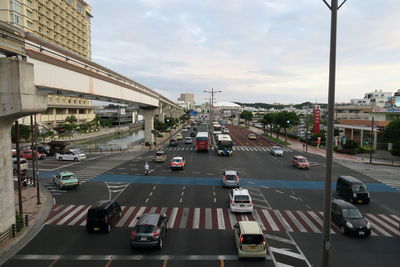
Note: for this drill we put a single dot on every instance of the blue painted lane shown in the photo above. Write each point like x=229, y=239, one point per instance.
x=207, y=181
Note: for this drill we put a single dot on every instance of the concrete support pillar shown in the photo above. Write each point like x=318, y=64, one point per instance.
x=375, y=139
x=17, y=99
x=361, y=137
x=352, y=134
x=148, y=116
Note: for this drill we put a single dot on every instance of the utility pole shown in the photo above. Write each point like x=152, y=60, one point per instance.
x=36, y=169
x=18, y=151
x=326, y=242
x=307, y=129
x=33, y=151
x=212, y=92
x=372, y=140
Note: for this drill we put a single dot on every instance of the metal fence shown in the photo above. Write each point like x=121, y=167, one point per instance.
x=15, y=228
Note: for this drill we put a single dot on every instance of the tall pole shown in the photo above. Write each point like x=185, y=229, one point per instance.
x=18, y=151
x=326, y=242
x=372, y=140
x=35, y=157
x=307, y=128
x=33, y=151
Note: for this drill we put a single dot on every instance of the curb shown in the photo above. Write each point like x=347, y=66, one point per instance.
x=19, y=242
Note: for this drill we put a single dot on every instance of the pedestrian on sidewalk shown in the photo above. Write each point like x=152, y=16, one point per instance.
x=304, y=147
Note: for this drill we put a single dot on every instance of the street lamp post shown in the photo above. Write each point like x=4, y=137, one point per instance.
x=212, y=92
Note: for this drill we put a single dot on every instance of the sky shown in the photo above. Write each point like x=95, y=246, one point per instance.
x=271, y=51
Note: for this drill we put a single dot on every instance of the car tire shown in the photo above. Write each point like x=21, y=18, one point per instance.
x=160, y=244
x=76, y=159
x=60, y=158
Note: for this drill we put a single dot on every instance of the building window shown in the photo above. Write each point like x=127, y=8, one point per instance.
x=29, y=3
x=69, y=101
x=17, y=7
x=29, y=13
x=50, y=99
x=17, y=19
x=30, y=24
x=79, y=7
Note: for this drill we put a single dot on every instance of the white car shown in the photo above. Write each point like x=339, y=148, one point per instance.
x=240, y=200
x=71, y=154
x=276, y=151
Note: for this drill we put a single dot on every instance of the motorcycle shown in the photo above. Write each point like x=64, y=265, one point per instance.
x=146, y=172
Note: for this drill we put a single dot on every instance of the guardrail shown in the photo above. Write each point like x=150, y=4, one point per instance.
x=15, y=228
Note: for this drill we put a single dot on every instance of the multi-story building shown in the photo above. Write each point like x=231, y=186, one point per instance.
x=357, y=118
x=188, y=99
x=65, y=23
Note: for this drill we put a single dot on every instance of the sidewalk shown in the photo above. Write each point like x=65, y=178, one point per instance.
x=363, y=158
x=37, y=215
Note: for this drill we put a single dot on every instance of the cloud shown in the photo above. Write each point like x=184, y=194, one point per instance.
x=251, y=50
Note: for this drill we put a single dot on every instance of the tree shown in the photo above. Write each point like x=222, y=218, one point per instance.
x=269, y=119
x=391, y=134
x=247, y=116
x=24, y=132
x=71, y=119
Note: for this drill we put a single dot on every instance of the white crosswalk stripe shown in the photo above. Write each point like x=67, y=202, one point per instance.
x=223, y=219
x=257, y=148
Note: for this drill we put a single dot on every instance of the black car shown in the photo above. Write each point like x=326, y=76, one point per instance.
x=45, y=149
x=149, y=231
x=349, y=219
x=192, y=134
x=102, y=215
x=173, y=142
x=352, y=189
x=195, y=129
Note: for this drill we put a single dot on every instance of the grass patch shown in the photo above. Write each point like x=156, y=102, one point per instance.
x=275, y=139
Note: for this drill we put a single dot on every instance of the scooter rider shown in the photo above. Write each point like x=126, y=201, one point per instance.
x=146, y=168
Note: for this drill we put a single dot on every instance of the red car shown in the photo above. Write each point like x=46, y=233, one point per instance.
x=177, y=163
x=300, y=162
x=29, y=155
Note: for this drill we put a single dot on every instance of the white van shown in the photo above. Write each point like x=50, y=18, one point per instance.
x=71, y=154
x=240, y=200
x=249, y=239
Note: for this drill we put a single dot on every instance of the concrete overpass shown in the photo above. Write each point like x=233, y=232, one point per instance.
x=31, y=68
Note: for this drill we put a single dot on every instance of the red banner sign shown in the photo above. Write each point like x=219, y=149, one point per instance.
x=317, y=118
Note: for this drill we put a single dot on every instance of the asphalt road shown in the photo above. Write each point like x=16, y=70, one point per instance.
x=288, y=204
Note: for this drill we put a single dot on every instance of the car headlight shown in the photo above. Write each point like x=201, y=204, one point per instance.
x=349, y=224
x=368, y=225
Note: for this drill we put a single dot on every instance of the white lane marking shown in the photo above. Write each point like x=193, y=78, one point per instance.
x=220, y=217
x=172, y=217
x=151, y=193
x=280, y=192
x=180, y=200
x=270, y=220
x=147, y=200
x=278, y=238
x=266, y=187
x=295, y=198
x=296, y=222
x=125, y=217
x=283, y=221
x=138, y=214
x=389, y=219
x=215, y=200
x=383, y=224
x=196, y=218
x=61, y=213
x=153, y=210
x=377, y=229
x=79, y=217
x=232, y=218
x=308, y=222
x=288, y=253
x=318, y=219
x=208, y=218
x=182, y=193
x=184, y=219
x=77, y=162
x=154, y=188
x=258, y=219
x=66, y=218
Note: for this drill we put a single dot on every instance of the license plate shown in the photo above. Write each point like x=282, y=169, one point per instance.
x=252, y=247
x=359, y=201
x=361, y=233
x=241, y=205
x=143, y=238
x=96, y=228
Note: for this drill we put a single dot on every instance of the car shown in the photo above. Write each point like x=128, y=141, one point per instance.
x=102, y=215
x=249, y=239
x=45, y=149
x=352, y=189
x=173, y=142
x=179, y=136
x=188, y=140
x=226, y=131
x=195, y=129
x=192, y=134
x=230, y=179
x=184, y=130
x=160, y=156
x=300, y=162
x=276, y=151
x=23, y=163
x=177, y=163
x=149, y=231
x=65, y=180
x=349, y=219
x=252, y=137
x=71, y=154
x=240, y=200
x=29, y=155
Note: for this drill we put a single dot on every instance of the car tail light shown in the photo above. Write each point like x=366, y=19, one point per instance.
x=264, y=244
x=156, y=234
x=241, y=241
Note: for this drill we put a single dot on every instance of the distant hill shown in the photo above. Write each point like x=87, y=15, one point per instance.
x=268, y=106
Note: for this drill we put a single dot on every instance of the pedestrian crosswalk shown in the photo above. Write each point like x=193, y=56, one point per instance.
x=235, y=148
x=223, y=219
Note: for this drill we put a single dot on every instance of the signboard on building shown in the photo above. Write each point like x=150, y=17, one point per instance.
x=317, y=118
x=386, y=109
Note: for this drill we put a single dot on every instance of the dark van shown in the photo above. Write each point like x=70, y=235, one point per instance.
x=102, y=215
x=352, y=189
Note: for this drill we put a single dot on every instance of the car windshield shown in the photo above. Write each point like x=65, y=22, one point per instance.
x=276, y=148
x=67, y=177
x=242, y=198
x=145, y=228
x=76, y=151
x=302, y=160
x=252, y=239
x=352, y=214
x=177, y=160
x=160, y=154
x=359, y=188
x=230, y=177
